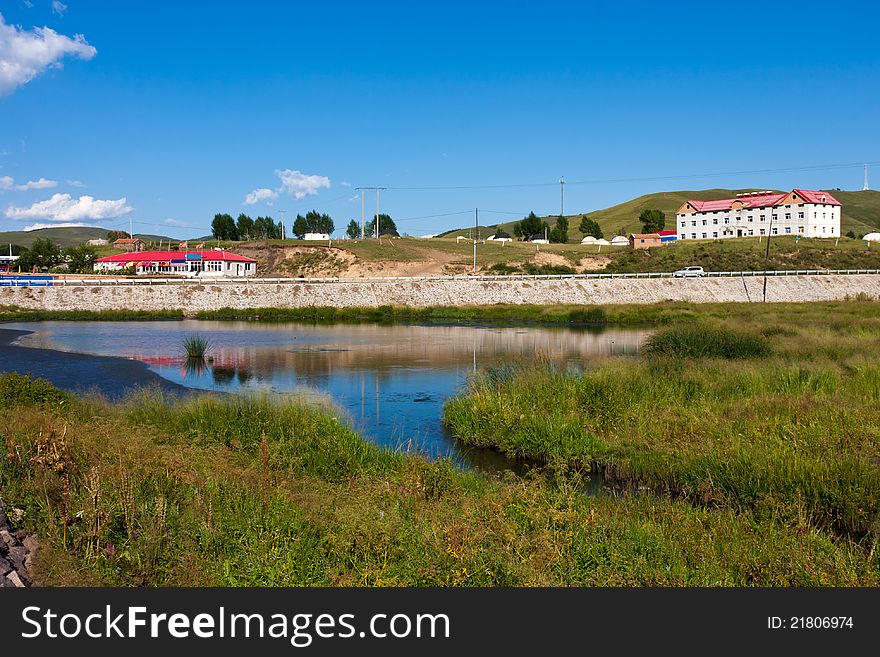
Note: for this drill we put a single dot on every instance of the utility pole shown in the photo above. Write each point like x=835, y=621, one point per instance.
x=283, y=214
x=562, y=196
x=866, y=188
x=376, y=227
x=767, y=254
x=476, y=236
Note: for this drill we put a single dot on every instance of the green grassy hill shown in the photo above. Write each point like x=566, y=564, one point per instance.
x=861, y=212
x=64, y=237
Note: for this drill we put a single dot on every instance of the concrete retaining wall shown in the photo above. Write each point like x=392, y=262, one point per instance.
x=193, y=297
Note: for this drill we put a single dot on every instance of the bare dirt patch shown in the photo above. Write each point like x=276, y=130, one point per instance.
x=593, y=263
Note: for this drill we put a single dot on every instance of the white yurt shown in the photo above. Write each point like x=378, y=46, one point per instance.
x=619, y=240
x=602, y=243
x=589, y=239
x=872, y=237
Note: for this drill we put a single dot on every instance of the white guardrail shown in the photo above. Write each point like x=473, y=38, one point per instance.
x=21, y=281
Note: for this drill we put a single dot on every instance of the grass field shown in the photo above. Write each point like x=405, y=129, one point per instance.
x=255, y=491
x=766, y=411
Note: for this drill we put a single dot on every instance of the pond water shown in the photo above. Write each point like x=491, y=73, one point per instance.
x=390, y=380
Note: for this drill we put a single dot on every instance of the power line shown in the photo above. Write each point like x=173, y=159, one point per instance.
x=818, y=167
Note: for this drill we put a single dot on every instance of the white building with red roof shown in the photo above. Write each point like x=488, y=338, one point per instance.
x=803, y=212
x=209, y=264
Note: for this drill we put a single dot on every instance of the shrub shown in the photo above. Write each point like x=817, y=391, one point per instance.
x=18, y=390
x=705, y=341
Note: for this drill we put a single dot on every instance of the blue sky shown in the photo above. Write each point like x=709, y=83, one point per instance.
x=168, y=112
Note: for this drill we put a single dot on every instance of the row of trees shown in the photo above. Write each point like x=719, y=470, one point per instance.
x=45, y=255
x=386, y=227
x=652, y=221
x=224, y=227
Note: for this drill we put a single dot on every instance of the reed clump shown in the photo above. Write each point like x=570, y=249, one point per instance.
x=195, y=347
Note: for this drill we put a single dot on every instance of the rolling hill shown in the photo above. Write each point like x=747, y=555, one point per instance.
x=861, y=211
x=64, y=237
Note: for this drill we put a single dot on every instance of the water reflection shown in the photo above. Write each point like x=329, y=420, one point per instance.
x=390, y=381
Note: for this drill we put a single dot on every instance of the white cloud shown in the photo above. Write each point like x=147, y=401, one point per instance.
x=62, y=207
x=61, y=225
x=59, y=7
x=76, y=183
x=174, y=222
x=261, y=194
x=7, y=182
x=28, y=4
x=299, y=185
x=26, y=54
x=345, y=184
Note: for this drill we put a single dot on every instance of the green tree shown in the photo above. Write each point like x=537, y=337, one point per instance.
x=353, y=230
x=590, y=227
x=265, y=228
x=114, y=235
x=652, y=220
x=313, y=222
x=559, y=234
x=80, y=259
x=851, y=234
x=223, y=227
x=529, y=226
x=386, y=224
x=43, y=254
x=244, y=225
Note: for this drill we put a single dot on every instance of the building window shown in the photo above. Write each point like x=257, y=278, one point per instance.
x=800, y=215
x=714, y=234
x=693, y=223
x=751, y=232
x=800, y=229
x=763, y=217
x=775, y=230
x=788, y=230
x=726, y=220
x=683, y=223
x=763, y=231
x=750, y=220
x=704, y=235
x=715, y=221
x=774, y=217
x=704, y=222
x=788, y=216
x=682, y=236
x=693, y=236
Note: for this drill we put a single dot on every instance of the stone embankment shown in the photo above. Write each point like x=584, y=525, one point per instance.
x=17, y=551
x=193, y=297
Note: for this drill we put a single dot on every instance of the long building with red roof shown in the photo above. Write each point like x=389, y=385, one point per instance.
x=211, y=263
x=803, y=212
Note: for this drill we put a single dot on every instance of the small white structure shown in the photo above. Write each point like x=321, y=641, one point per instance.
x=98, y=242
x=803, y=212
x=213, y=263
x=589, y=239
x=7, y=263
x=603, y=243
x=316, y=237
x=619, y=240
x=872, y=237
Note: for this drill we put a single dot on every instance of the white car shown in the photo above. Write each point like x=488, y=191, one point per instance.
x=689, y=272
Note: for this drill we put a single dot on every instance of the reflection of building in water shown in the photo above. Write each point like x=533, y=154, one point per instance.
x=317, y=351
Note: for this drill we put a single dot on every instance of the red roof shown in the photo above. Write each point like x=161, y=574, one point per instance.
x=664, y=233
x=811, y=196
x=763, y=200
x=144, y=256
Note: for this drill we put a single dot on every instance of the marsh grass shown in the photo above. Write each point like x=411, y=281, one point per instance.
x=784, y=427
x=160, y=491
x=195, y=347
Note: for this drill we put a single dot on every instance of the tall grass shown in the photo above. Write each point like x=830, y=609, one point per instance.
x=706, y=341
x=183, y=492
x=793, y=435
x=195, y=347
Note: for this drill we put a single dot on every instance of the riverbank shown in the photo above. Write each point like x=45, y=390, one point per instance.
x=192, y=298
x=777, y=418
x=252, y=491
x=500, y=314
x=80, y=373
